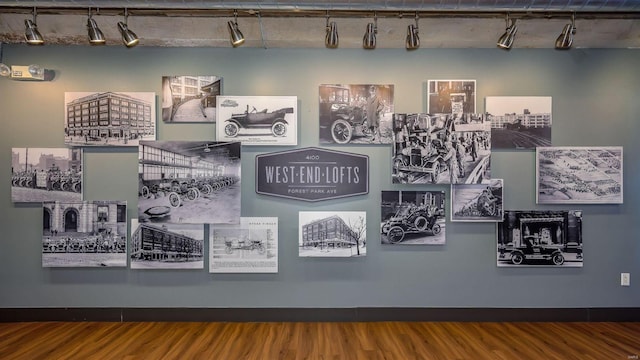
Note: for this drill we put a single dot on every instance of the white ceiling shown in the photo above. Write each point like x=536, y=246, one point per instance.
x=285, y=23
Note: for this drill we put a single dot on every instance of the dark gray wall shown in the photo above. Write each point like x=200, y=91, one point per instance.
x=595, y=102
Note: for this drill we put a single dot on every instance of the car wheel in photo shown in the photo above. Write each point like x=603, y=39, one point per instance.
x=279, y=128
x=231, y=130
x=395, y=234
x=341, y=131
x=517, y=258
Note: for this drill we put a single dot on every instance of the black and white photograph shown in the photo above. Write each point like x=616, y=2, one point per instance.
x=257, y=120
x=441, y=149
x=540, y=238
x=477, y=202
x=166, y=246
x=46, y=174
x=84, y=234
x=412, y=218
x=251, y=247
x=519, y=122
x=453, y=97
x=332, y=233
x=190, y=98
x=579, y=175
x=109, y=118
x=189, y=182
x=356, y=114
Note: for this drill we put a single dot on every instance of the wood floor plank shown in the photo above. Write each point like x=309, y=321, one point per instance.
x=318, y=340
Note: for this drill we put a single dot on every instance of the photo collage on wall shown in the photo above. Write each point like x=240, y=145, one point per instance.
x=186, y=186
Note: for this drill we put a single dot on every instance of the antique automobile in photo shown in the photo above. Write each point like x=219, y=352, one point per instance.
x=230, y=246
x=338, y=116
x=258, y=119
x=533, y=250
x=411, y=219
x=535, y=241
x=422, y=154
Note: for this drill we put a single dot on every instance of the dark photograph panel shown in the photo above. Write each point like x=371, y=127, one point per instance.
x=413, y=218
x=540, y=238
x=451, y=96
x=192, y=182
x=441, y=149
x=356, y=114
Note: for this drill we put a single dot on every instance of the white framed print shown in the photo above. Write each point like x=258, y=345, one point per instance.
x=579, y=175
x=257, y=120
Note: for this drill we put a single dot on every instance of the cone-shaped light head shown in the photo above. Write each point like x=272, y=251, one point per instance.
x=237, y=38
x=565, y=40
x=31, y=33
x=369, y=39
x=413, y=40
x=331, y=38
x=95, y=34
x=506, y=40
x=129, y=38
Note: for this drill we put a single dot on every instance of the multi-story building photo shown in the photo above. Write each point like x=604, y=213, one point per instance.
x=334, y=234
x=167, y=246
x=109, y=118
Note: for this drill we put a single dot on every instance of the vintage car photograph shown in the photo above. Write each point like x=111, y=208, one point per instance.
x=191, y=182
x=477, y=202
x=46, y=174
x=540, y=238
x=441, y=149
x=257, y=120
x=250, y=247
x=356, y=114
x=413, y=217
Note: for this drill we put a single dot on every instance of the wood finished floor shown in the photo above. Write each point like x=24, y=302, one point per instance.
x=335, y=340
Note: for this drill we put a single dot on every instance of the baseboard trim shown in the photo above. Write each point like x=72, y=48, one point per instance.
x=366, y=314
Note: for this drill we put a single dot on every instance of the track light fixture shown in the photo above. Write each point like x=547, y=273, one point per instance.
x=96, y=37
x=331, y=37
x=369, y=39
x=31, y=33
x=237, y=38
x=565, y=40
x=129, y=38
x=506, y=40
x=413, y=40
